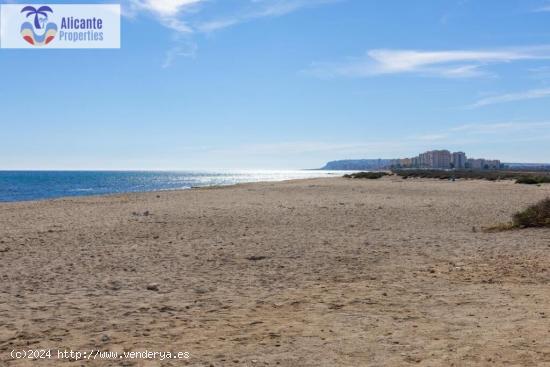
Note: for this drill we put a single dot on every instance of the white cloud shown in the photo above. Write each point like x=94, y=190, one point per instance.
x=539, y=72
x=182, y=49
x=453, y=137
x=186, y=16
x=431, y=137
x=544, y=8
x=294, y=148
x=453, y=63
x=165, y=7
x=502, y=128
x=258, y=9
x=512, y=97
x=168, y=12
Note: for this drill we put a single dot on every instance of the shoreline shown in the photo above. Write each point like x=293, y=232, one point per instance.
x=194, y=188
x=216, y=179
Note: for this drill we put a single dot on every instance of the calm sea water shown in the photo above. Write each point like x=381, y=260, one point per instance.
x=40, y=185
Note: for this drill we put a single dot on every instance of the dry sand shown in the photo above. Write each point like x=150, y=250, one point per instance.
x=323, y=272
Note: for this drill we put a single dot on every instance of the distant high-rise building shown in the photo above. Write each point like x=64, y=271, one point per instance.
x=406, y=162
x=441, y=159
x=395, y=163
x=459, y=160
x=436, y=159
x=492, y=164
x=425, y=160
x=476, y=163
x=483, y=164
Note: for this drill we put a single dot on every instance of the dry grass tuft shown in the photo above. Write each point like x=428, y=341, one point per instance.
x=535, y=216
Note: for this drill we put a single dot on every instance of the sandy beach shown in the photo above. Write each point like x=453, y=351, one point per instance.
x=319, y=272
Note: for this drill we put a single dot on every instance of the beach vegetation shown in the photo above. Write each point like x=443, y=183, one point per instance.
x=537, y=215
x=534, y=216
x=367, y=175
x=533, y=180
x=497, y=175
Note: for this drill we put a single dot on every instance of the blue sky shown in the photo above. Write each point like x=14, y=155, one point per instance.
x=207, y=84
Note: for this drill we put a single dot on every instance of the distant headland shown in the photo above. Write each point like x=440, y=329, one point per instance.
x=433, y=159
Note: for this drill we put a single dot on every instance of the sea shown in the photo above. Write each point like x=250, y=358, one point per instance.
x=42, y=185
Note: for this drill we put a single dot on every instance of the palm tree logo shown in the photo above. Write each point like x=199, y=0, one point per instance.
x=42, y=32
x=41, y=11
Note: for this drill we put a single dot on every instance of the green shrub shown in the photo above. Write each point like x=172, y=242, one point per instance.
x=528, y=181
x=367, y=175
x=533, y=180
x=537, y=215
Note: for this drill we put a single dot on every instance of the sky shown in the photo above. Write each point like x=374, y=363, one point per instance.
x=285, y=84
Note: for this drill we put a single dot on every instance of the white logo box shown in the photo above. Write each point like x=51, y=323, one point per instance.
x=59, y=26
